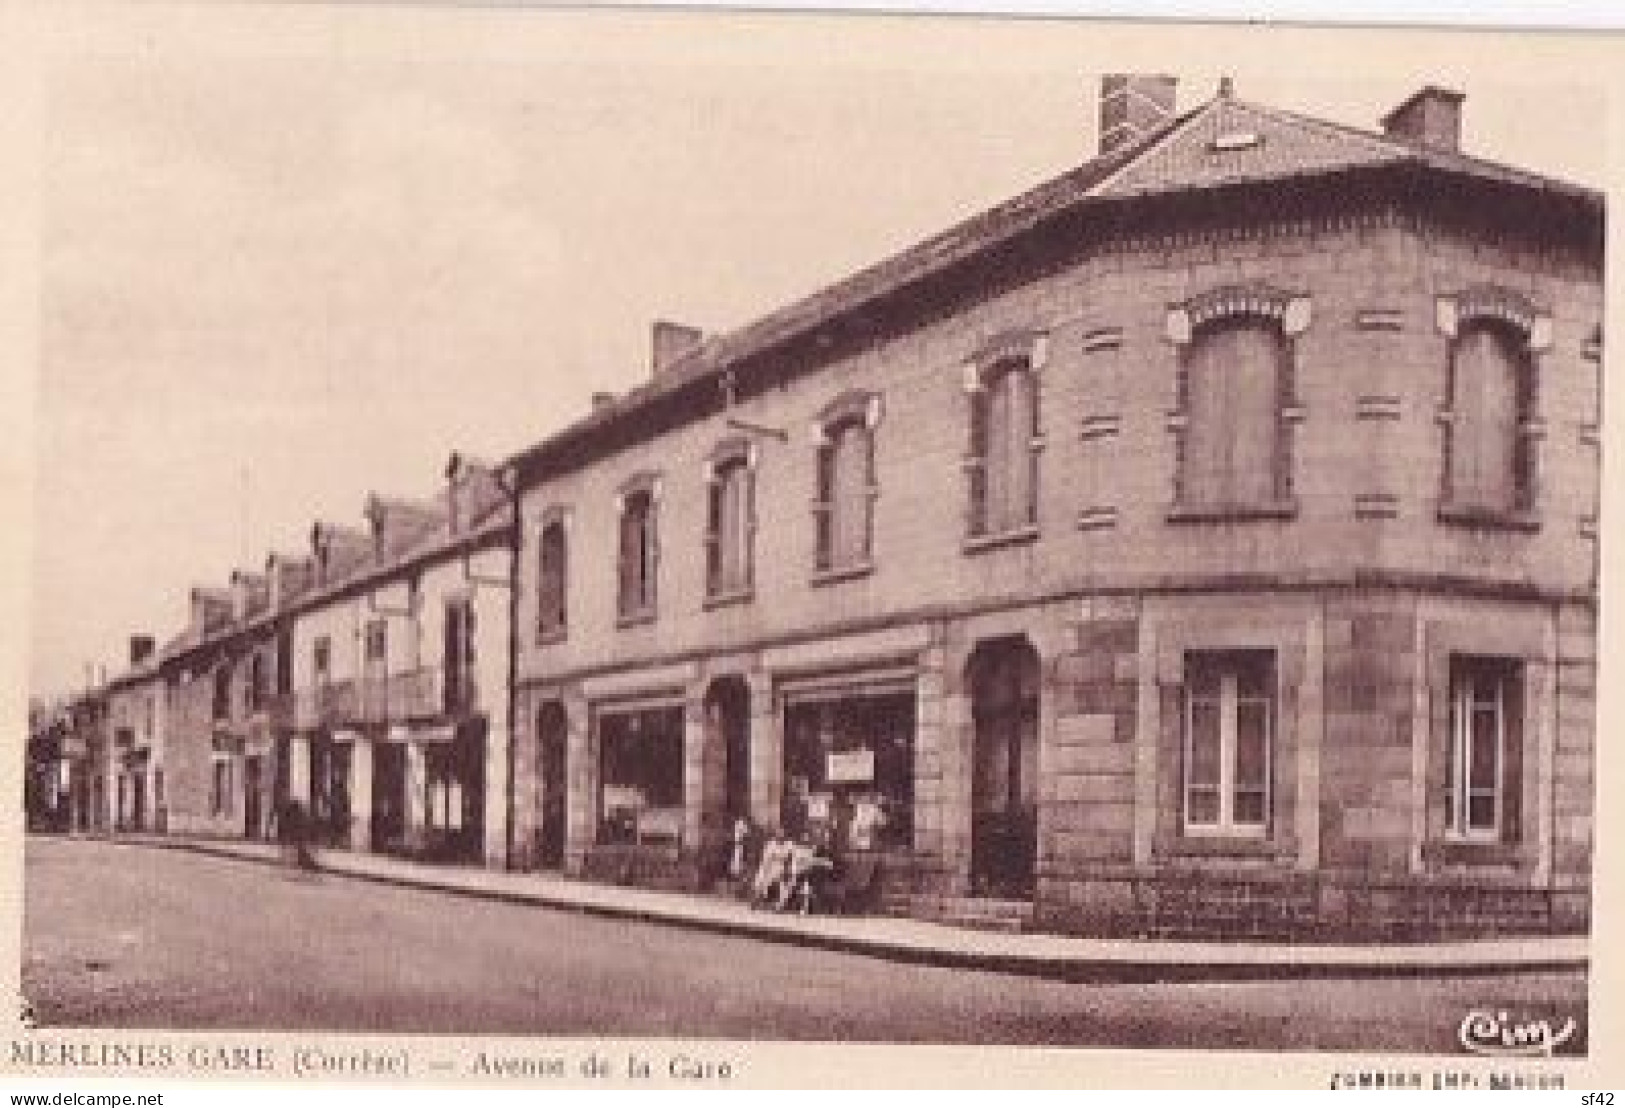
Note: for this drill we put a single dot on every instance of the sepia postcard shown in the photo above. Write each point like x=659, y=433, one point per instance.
x=557, y=548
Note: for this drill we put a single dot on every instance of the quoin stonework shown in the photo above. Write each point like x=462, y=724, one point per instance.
x=1203, y=543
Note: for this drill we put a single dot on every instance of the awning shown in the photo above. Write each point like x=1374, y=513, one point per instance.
x=827, y=687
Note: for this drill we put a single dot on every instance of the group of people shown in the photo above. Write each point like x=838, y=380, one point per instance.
x=791, y=874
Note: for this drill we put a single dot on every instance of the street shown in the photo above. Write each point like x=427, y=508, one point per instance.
x=134, y=937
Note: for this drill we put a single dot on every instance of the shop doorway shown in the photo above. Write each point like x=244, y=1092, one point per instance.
x=553, y=732
x=138, y=802
x=388, y=797
x=727, y=708
x=253, y=814
x=330, y=790
x=454, y=808
x=1004, y=678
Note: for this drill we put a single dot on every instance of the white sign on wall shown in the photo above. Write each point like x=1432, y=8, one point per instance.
x=850, y=767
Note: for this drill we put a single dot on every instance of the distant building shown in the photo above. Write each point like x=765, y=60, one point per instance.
x=399, y=738
x=134, y=773
x=1203, y=542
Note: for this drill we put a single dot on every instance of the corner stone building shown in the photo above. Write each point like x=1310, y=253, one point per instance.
x=1203, y=543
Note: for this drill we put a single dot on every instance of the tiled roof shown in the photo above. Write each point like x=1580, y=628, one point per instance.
x=1173, y=159
x=1229, y=141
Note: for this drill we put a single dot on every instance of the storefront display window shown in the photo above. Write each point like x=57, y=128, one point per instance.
x=849, y=770
x=641, y=775
x=454, y=793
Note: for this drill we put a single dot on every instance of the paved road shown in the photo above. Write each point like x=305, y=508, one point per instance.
x=135, y=937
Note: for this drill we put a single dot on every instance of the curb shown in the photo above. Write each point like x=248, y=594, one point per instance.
x=1068, y=969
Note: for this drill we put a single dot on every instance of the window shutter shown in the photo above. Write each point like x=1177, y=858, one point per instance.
x=1035, y=441
x=866, y=540
x=716, y=491
x=822, y=545
x=1512, y=756
x=626, y=560
x=976, y=465
x=747, y=525
x=651, y=546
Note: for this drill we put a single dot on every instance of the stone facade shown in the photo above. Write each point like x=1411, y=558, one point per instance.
x=1362, y=591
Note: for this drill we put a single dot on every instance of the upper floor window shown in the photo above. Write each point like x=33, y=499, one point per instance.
x=1490, y=425
x=259, y=686
x=322, y=659
x=222, y=691
x=1229, y=731
x=1006, y=437
x=284, y=662
x=843, y=504
x=730, y=523
x=639, y=552
x=552, y=579
x=377, y=643
x=457, y=655
x=1235, y=402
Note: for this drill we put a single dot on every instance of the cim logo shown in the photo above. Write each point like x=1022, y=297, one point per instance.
x=1497, y=1033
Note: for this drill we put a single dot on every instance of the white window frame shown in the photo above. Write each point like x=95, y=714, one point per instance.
x=1228, y=702
x=1463, y=706
x=222, y=787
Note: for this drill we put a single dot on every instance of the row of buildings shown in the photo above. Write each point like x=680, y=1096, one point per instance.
x=1202, y=542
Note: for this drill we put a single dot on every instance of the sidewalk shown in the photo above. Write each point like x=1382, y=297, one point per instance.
x=1061, y=957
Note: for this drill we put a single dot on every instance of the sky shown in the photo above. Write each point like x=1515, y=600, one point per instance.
x=292, y=255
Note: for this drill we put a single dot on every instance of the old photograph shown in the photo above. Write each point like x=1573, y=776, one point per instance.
x=791, y=529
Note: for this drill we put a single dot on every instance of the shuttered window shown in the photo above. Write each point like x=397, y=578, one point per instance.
x=843, y=509
x=552, y=581
x=1002, y=466
x=730, y=528
x=638, y=555
x=1489, y=467
x=1232, y=446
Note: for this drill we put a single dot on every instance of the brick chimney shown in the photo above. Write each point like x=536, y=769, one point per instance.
x=1132, y=105
x=1430, y=118
x=141, y=648
x=472, y=490
x=211, y=609
x=670, y=343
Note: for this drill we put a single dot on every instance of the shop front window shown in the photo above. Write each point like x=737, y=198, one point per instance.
x=849, y=770
x=641, y=776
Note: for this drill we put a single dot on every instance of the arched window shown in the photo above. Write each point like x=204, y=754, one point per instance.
x=1235, y=402
x=1491, y=429
x=843, y=505
x=1001, y=464
x=730, y=523
x=552, y=579
x=1234, y=384
x=639, y=552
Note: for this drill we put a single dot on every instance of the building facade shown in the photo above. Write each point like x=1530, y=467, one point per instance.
x=1204, y=542
x=133, y=775
x=399, y=741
